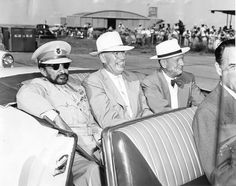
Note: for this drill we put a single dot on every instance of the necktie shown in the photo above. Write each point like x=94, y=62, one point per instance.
x=177, y=82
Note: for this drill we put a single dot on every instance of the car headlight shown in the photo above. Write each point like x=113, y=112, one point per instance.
x=7, y=60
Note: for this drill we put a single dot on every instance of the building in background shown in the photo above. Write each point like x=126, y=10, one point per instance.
x=110, y=18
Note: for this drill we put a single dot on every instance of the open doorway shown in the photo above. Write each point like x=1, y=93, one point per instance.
x=111, y=23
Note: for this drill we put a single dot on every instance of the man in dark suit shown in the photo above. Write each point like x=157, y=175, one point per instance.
x=115, y=94
x=218, y=112
x=170, y=87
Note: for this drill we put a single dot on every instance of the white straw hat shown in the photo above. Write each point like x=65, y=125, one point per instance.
x=168, y=49
x=110, y=42
x=53, y=52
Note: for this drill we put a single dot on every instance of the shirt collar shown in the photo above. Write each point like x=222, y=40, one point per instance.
x=168, y=79
x=112, y=76
x=231, y=92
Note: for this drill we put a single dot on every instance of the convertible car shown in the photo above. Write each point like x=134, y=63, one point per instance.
x=154, y=150
x=32, y=151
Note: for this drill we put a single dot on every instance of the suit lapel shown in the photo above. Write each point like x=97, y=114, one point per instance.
x=164, y=86
x=228, y=116
x=111, y=88
x=183, y=95
x=229, y=108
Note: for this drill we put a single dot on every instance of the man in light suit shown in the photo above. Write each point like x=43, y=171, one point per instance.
x=214, y=122
x=115, y=95
x=170, y=87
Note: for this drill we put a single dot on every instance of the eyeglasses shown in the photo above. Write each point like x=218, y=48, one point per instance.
x=230, y=67
x=119, y=55
x=56, y=66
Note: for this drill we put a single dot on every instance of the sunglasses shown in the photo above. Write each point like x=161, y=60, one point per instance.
x=56, y=66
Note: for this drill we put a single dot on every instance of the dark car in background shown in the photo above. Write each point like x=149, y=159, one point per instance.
x=43, y=32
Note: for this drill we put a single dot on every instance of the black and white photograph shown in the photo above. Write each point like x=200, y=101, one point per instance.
x=117, y=93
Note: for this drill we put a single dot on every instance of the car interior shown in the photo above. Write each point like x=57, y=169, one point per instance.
x=155, y=150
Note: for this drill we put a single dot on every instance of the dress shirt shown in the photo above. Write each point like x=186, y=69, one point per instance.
x=120, y=85
x=173, y=91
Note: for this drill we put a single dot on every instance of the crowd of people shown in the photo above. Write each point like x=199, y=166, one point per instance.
x=113, y=95
x=199, y=37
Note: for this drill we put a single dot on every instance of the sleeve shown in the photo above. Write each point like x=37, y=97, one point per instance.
x=154, y=97
x=196, y=95
x=145, y=108
x=204, y=130
x=106, y=113
x=51, y=114
x=31, y=99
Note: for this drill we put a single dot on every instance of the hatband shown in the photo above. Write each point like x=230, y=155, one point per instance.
x=170, y=53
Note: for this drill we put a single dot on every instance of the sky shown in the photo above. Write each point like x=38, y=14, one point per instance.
x=191, y=12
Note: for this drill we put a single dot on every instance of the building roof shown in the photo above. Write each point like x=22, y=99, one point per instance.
x=17, y=26
x=81, y=14
x=231, y=12
x=120, y=14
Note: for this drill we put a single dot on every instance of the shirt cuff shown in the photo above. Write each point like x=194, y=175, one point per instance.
x=51, y=114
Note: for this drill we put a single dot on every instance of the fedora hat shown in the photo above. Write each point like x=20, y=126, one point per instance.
x=110, y=42
x=53, y=52
x=168, y=49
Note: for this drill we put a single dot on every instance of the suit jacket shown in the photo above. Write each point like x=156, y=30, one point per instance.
x=106, y=102
x=157, y=91
x=205, y=126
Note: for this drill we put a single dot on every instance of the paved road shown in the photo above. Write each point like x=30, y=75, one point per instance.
x=202, y=66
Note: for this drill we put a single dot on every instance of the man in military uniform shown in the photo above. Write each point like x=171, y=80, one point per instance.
x=61, y=98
